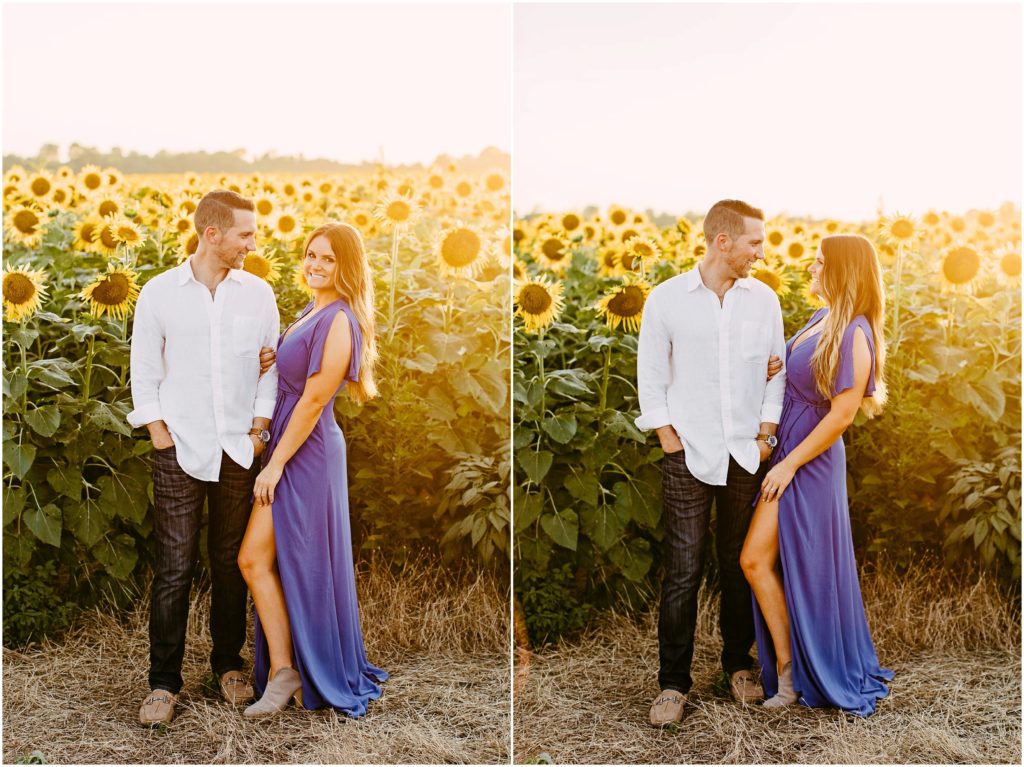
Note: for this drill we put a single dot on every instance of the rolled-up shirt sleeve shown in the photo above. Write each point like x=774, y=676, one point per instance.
x=771, y=403
x=266, y=389
x=653, y=367
x=147, y=363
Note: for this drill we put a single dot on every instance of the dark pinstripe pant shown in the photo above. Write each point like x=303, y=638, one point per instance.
x=686, y=511
x=179, y=514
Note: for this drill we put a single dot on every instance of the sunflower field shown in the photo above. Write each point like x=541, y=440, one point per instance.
x=429, y=458
x=938, y=470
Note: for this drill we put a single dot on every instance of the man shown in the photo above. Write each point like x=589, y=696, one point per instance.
x=197, y=388
x=705, y=342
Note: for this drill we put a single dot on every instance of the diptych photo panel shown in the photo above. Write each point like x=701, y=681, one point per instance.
x=511, y=383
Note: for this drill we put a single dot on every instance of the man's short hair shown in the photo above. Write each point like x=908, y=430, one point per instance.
x=217, y=209
x=727, y=216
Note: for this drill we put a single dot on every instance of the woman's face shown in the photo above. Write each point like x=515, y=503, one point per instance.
x=319, y=264
x=815, y=270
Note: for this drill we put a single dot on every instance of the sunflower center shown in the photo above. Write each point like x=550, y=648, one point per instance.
x=775, y=238
x=618, y=217
x=769, y=278
x=286, y=223
x=961, y=265
x=111, y=290
x=264, y=207
x=183, y=225
x=796, y=249
x=1010, y=264
x=436, y=182
x=89, y=232
x=643, y=250
x=126, y=234
x=26, y=221
x=40, y=186
x=534, y=299
x=553, y=249
x=18, y=289
x=92, y=181
x=398, y=211
x=495, y=181
x=570, y=221
x=902, y=229
x=460, y=248
x=628, y=302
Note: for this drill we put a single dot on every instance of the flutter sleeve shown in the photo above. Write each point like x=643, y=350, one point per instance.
x=844, y=376
x=319, y=338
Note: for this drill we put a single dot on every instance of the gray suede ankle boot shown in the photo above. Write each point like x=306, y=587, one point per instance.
x=786, y=695
x=283, y=687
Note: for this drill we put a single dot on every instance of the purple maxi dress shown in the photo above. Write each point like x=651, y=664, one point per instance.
x=834, y=659
x=313, y=536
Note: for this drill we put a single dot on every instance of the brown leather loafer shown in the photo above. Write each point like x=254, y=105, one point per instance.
x=744, y=688
x=157, y=708
x=235, y=688
x=667, y=708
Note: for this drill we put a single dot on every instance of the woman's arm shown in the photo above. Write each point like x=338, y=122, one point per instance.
x=319, y=391
x=839, y=417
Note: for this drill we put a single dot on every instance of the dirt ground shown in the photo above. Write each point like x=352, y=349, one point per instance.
x=955, y=647
x=443, y=639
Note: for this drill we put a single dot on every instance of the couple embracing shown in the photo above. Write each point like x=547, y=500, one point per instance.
x=241, y=418
x=770, y=455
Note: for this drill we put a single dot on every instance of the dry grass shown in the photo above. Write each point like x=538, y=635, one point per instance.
x=443, y=638
x=954, y=645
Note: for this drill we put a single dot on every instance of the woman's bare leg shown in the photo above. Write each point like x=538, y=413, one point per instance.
x=759, y=560
x=257, y=559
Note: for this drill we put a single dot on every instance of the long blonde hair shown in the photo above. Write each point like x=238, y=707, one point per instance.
x=851, y=281
x=354, y=282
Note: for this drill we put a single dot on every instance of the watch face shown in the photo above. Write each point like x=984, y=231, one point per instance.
x=265, y=436
x=772, y=440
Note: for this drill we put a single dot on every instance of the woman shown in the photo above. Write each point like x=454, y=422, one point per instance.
x=812, y=635
x=297, y=552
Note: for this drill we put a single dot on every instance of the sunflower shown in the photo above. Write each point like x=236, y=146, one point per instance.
x=24, y=290
x=362, y=220
x=775, y=236
x=266, y=203
x=960, y=266
x=554, y=254
x=899, y=229
x=435, y=180
x=458, y=251
x=25, y=225
x=495, y=182
x=64, y=173
x=284, y=225
x=108, y=205
x=126, y=233
x=957, y=224
x=396, y=210
x=39, y=186
x=90, y=178
x=189, y=244
x=617, y=215
x=639, y=252
x=61, y=196
x=105, y=242
x=773, y=279
x=610, y=260
x=180, y=223
x=570, y=223
x=114, y=293
x=519, y=272
x=15, y=175
x=538, y=302
x=113, y=177
x=931, y=219
x=265, y=267
x=1009, y=264
x=986, y=219
x=299, y=280
x=624, y=304
x=86, y=232
x=463, y=189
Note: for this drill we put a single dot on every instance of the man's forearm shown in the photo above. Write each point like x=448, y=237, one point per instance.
x=768, y=428
x=260, y=423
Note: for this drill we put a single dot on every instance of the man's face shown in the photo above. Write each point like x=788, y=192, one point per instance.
x=741, y=254
x=233, y=244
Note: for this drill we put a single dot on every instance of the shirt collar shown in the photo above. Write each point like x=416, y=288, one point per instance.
x=185, y=273
x=694, y=281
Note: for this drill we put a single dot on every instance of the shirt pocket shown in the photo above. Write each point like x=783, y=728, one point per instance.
x=245, y=336
x=754, y=342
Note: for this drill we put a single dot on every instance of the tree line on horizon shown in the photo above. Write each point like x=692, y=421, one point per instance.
x=48, y=158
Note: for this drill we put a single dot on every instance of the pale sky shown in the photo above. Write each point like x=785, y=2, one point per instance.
x=816, y=109
x=325, y=80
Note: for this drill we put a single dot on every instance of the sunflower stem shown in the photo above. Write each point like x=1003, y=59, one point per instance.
x=394, y=280
x=24, y=371
x=896, y=300
x=604, y=380
x=86, y=379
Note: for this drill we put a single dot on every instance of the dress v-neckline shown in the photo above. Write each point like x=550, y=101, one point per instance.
x=307, y=316
x=803, y=336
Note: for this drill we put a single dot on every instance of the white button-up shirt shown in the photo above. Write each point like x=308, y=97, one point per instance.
x=195, y=364
x=702, y=368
